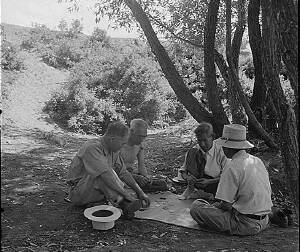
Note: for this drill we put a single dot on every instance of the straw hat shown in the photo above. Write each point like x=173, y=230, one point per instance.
x=234, y=137
x=103, y=217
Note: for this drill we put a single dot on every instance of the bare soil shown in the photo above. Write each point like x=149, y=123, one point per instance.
x=34, y=165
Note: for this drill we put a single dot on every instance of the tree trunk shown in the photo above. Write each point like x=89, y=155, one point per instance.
x=232, y=53
x=258, y=99
x=238, y=34
x=196, y=109
x=287, y=20
x=209, y=61
x=285, y=115
x=290, y=153
x=225, y=71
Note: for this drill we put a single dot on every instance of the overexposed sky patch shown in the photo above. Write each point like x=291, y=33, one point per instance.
x=50, y=12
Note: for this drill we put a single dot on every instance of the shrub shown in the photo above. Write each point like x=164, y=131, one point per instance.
x=57, y=49
x=113, y=84
x=78, y=110
x=10, y=59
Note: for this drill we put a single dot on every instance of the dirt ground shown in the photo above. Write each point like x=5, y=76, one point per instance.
x=36, y=217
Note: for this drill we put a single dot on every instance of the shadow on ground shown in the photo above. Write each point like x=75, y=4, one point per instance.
x=36, y=217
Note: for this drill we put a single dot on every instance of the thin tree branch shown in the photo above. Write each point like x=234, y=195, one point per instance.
x=173, y=33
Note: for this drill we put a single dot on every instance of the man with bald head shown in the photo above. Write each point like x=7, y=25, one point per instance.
x=133, y=151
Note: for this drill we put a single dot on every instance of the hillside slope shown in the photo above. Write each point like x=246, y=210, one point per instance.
x=29, y=92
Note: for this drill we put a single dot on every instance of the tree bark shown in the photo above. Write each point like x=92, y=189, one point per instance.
x=285, y=115
x=232, y=53
x=209, y=61
x=197, y=110
x=290, y=153
x=258, y=99
x=238, y=34
x=287, y=21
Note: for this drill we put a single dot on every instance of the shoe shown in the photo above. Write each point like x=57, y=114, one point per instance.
x=288, y=212
x=279, y=218
x=129, y=207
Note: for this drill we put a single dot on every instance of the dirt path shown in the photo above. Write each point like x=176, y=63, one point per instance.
x=36, y=217
x=31, y=90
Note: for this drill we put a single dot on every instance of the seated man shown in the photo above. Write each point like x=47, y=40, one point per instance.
x=133, y=151
x=97, y=171
x=203, y=165
x=244, y=190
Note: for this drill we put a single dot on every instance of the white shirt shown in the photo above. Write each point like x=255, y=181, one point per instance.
x=245, y=183
x=215, y=160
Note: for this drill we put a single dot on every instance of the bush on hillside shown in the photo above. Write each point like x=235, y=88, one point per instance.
x=39, y=34
x=78, y=110
x=57, y=49
x=10, y=59
x=61, y=56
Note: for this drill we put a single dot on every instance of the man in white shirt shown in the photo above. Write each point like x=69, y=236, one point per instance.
x=244, y=190
x=203, y=165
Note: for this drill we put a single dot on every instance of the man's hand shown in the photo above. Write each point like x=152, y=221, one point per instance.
x=191, y=179
x=129, y=197
x=226, y=206
x=145, y=199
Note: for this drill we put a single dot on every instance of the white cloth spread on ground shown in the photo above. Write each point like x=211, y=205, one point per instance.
x=167, y=208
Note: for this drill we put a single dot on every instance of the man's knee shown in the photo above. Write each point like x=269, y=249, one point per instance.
x=197, y=208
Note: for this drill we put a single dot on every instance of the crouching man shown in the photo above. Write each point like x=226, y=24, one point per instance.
x=244, y=190
x=97, y=173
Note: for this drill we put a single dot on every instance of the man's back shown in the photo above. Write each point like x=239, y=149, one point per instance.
x=92, y=158
x=246, y=183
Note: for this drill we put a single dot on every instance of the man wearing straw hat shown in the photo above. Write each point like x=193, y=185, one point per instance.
x=244, y=190
x=97, y=173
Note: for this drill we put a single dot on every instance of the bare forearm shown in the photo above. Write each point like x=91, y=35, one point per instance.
x=112, y=182
x=129, y=180
x=214, y=180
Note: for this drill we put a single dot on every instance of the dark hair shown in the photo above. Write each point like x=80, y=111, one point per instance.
x=117, y=129
x=204, y=128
